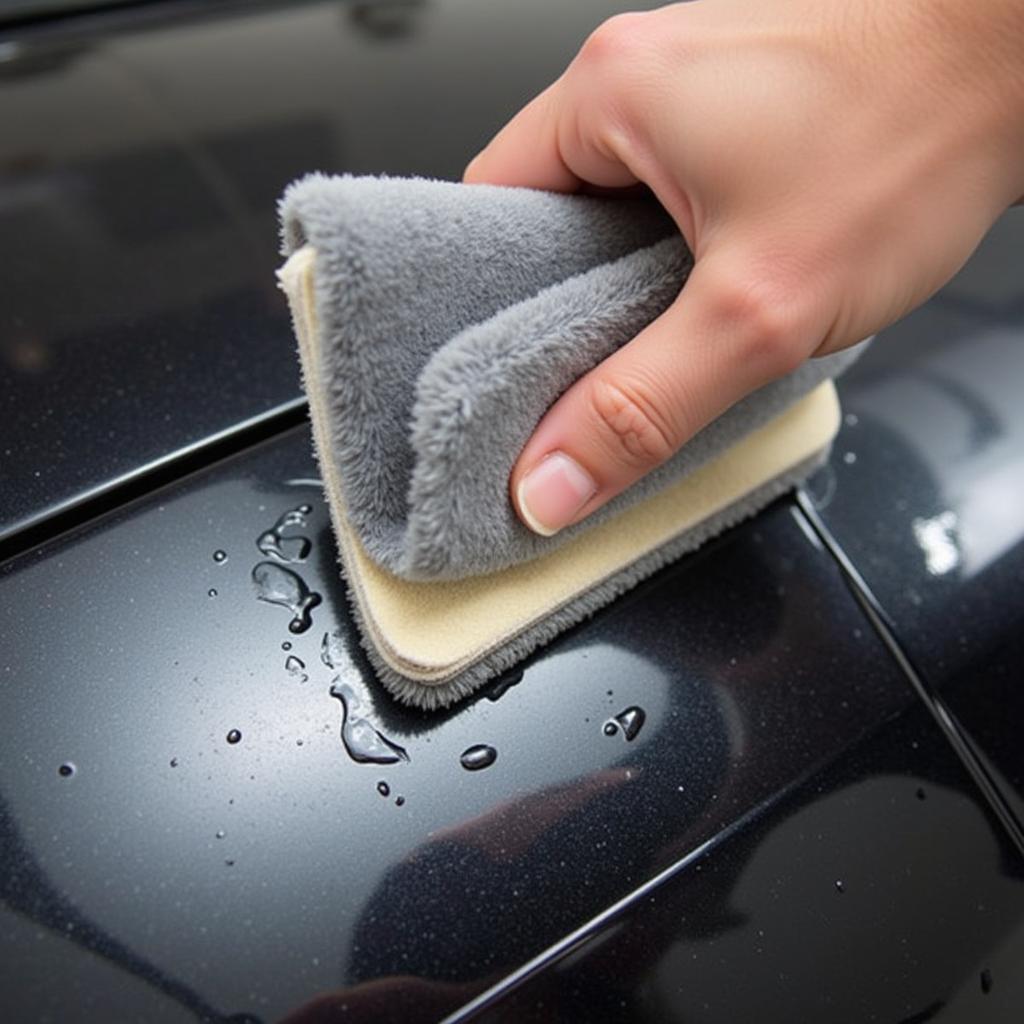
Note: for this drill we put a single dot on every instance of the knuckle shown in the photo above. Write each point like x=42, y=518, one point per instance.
x=634, y=429
x=612, y=39
x=767, y=322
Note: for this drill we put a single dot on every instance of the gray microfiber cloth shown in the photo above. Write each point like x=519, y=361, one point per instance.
x=437, y=322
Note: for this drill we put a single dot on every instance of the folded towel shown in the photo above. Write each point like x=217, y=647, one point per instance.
x=437, y=322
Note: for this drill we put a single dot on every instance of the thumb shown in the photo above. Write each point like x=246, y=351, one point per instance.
x=724, y=336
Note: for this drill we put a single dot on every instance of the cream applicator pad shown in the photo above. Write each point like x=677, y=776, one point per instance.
x=433, y=641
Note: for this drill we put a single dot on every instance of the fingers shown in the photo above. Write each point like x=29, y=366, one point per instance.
x=728, y=333
x=721, y=339
x=526, y=152
x=564, y=138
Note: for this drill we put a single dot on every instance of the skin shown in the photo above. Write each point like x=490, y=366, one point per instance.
x=831, y=164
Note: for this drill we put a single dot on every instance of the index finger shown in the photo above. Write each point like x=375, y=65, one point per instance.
x=526, y=152
x=551, y=144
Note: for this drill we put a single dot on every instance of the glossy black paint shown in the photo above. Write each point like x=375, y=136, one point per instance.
x=926, y=494
x=34, y=10
x=783, y=749
x=840, y=902
x=141, y=157
x=117, y=660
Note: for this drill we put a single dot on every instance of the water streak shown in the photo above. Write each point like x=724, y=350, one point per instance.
x=273, y=544
x=276, y=585
x=363, y=741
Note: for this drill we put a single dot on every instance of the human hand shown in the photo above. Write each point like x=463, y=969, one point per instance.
x=831, y=164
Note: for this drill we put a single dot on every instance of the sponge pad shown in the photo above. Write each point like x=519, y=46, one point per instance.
x=436, y=324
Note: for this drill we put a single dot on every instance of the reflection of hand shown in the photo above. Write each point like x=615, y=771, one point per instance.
x=830, y=164
x=395, y=998
x=508, y=829
x=502, y=835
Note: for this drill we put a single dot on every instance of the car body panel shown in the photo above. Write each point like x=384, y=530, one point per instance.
x=838, y=903
x=134, y=645
x=926, y=493
x=172, y=875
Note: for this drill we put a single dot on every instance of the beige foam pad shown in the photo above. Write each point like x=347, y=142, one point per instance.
x=429, y=632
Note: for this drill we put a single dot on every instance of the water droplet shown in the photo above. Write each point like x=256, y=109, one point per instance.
x=399, y=800
x=332, y=650
x=610, y=729
x=479, y=756
x=295, y=666
x=286, y=549
x=850, y=458
x=234, y=736
x=211, y=592
x=383, y=788
x=220, y=556
x=504, y=684
x=286, y=646
x=852, y=419
x=281, y=586
x=66, y=770
x=630, y=721
x=174, y=762
x=273, y=544
x=921, y=794
x=220, y=833
x=363, y=741
x=986, y=981
x=840, y=885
